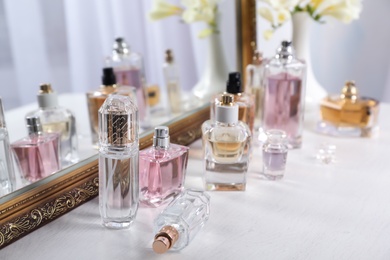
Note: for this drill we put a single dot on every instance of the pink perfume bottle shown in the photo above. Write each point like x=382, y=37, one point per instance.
x=284, y=93
x=37, y=155
x=162, y=169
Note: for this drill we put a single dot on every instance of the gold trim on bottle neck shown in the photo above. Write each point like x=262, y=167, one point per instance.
x=349, y=91
x=45, y=89
x=165, y=239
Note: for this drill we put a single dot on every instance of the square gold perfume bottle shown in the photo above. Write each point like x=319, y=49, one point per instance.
x=348, y=114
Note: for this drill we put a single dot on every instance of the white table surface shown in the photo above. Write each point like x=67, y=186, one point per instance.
x=336, y=211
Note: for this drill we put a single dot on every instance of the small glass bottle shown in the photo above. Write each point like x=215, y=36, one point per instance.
x=95, y=100
x=162, y=169
x=245, y=101
x=348, y=114
x=181, y=220
x=7, y=173
x=118, y=162
x=275, y=151
x=255, y=86
x=56, y=119
x=129, y=71
x=38, y=154
x=284, y=94
x=226, y=146
x=172, y=82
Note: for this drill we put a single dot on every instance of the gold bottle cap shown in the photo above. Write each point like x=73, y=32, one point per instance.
x=349, y=91
x=165, y=239
x=45, y=89
x=227, y=100
x=168, y=56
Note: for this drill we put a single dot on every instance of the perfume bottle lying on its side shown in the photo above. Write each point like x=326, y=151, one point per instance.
x=348, y=114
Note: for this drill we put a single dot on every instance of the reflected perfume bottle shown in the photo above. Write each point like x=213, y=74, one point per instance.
x=172, y=82
x=95, y=100
x=56, y=119
x=162, y=169
x=284, y=93
x=226, y=146
x=7, y=173
x=118, y=162
x=181, y=221
x=129, y=71
x=255, y=86
x=245, y=101
x=38, y=154
x=275, y=151
x=348, y=114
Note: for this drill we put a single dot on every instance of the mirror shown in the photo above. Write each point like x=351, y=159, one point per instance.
x=32, y=206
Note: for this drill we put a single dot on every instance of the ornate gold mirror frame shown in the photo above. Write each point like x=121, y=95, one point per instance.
x=24, y=211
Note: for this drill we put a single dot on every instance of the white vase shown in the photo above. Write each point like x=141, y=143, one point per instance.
x=301, y=23
x=214, y=76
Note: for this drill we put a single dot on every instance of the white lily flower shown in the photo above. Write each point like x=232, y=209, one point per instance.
x=162, y=9
x=343, y=10
x=266, y=14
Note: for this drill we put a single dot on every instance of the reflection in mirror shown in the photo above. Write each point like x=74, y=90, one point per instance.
x=67, y=44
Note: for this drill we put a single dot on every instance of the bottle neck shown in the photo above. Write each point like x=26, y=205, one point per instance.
x=47, y=100
x=226, y=114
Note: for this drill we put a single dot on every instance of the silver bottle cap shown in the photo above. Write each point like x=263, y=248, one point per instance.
x=33, y=124
x=120, y=46
x=118, y=122
x=161, y=137
x=2, y=118
x=285, y=51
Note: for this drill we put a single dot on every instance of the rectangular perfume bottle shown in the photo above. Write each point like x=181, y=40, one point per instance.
x=172, y=82
x=7, y=173
x=348, y=114
x=162, y=169
x=118, y=162
x=284, y=93
x=226, y=146
x=38, y=154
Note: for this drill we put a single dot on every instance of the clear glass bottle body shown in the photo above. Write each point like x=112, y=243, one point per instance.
x=61, y=121
x=162, y=173
x=95, y=100
x=7, y=173
x=187, y=214
x=226, y=153
x=38, y=155
x=172, y=83
x=275, y=151
x=284, y=98
x=255, y=86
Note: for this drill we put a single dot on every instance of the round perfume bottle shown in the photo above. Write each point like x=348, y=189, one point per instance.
x=275, y=151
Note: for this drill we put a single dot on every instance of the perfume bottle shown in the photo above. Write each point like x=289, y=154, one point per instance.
x=95, y=100
x=118, y=161
x=348, y=114
x=181, y=220
x=226, y=145
x=255, y=86
x=129, y=71
x=172, y=82
x=245, y=101
x=38, y=154
x=275, y=151
x=162, y=169
x=7, y=173
x=284, y=93
x=55, y=119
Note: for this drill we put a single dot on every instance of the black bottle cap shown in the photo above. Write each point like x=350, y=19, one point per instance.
x=108, y=78
x=233, y=85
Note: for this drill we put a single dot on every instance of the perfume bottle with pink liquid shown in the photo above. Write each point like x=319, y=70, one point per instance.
x=284, y=94
x=38, y=154
x=162, y=169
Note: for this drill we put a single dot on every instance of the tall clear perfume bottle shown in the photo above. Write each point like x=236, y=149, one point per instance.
x=162, y=169
x=181, y=220
x=255, y=86
x=38, y=154
x=172, y=82
x=95, y=100
x=348, y=114
x=226, y=145
x=56, y=119
x=275, y=151
x=118, y=162
x=129, y=71
x=7, y=173
x=245, y=101
x=284, y=94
